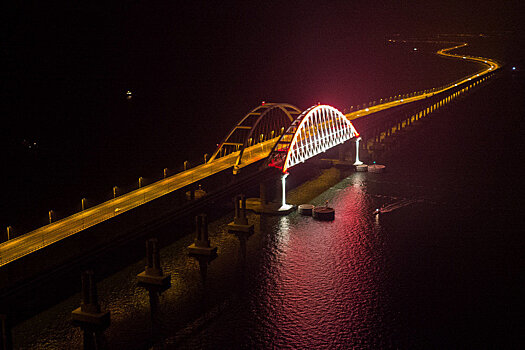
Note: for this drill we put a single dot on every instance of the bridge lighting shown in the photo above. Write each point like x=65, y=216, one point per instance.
x=115, y=192
x=83, y=203
x=140, y=181
x=357, y=161
x=283, y=185
x=165, y=172
x=9, y=228
x=316, y=130
x=50, y=216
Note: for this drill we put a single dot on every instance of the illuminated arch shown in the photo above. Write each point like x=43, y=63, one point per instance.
x=316, y=130
x=263, y=123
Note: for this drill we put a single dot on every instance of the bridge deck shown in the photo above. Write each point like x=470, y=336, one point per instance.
x=46, y=235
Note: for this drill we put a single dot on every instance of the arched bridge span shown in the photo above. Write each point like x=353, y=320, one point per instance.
x=316, y=130
x=263, y=123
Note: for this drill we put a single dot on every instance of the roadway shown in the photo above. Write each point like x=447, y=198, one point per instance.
x=46, y=235
x=491, y=66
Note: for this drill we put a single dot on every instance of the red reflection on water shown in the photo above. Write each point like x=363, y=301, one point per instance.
x=322, y=279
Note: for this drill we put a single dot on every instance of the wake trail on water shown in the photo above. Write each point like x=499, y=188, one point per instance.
x=397, y=205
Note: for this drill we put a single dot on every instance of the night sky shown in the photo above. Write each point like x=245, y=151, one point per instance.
x=57, y=46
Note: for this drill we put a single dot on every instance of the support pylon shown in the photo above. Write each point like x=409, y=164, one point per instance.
x=202, y=246
x=89, y=316
x=240, y=221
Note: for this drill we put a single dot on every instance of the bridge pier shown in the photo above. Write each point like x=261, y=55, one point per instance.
x=89, y=316
x=357, y=161
x=240, y=221
x=202, y=246
x=153, y=275
x=153, y=280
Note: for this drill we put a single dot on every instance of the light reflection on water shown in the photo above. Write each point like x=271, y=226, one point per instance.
x=295, y=281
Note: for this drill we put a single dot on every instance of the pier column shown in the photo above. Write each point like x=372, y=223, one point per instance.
x=357, y=161
x=153, y=280
x=263, y=193
x=89, y=316
x=202, y=246
x=283, y=189
x=240, y=223
x=341, y=152
x=153, y=274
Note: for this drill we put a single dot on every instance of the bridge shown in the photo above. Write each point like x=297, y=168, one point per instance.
x=278, y=133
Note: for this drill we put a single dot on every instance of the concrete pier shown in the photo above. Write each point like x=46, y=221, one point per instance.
x=154, y=281
x=202, y=246
x=324, y=213
x=240, y=221
x=89, y=317
x=153, y=275
x=263, y=205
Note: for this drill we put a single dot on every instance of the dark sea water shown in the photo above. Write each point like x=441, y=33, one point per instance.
x=441, y=269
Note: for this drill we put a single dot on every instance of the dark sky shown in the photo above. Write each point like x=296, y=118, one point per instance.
x=245, y=25
x=52, y=46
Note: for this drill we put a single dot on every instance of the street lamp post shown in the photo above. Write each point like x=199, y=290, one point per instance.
x=141, y=179
x=9, y=232
x=114, y=192
x=50, y=216
x=83, y=201
x=165, y=172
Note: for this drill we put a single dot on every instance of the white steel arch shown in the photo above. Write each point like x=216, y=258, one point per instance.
x=316, y=130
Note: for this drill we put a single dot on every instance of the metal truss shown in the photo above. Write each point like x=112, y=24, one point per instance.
x=316, y=130
x=263, y=123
